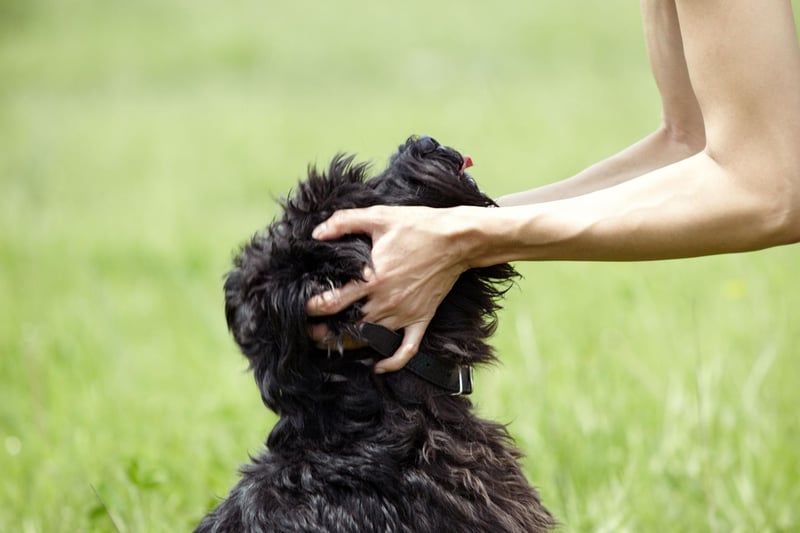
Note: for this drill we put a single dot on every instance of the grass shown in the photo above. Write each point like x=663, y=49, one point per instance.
x=142, y=142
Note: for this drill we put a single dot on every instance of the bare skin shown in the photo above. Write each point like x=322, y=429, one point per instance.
x=721, y=174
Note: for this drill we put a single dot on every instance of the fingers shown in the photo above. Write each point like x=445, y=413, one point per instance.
x=344, y=223
x=335, y=300
x=409, y=348
x=319, y=333
x=339, y=224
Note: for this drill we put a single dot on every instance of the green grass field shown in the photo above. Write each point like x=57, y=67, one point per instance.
x=141, y=142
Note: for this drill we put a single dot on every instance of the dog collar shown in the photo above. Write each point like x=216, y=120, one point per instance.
x=454, y=378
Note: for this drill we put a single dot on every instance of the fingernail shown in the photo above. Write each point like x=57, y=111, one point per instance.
x=380, y=370
x=318, y=231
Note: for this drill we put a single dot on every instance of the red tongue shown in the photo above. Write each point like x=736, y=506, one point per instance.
x=467, y=163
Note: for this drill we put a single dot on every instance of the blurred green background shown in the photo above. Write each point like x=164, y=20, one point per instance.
x=142, y=142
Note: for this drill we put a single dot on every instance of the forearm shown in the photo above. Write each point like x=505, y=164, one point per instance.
x=662, y=147
x=690, y=208
x=681, y=135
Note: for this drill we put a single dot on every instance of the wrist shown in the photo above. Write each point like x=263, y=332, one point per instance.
x=533, y=232
x=485, y=236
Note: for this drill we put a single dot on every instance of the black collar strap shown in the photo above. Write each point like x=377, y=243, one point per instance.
x=454, y=378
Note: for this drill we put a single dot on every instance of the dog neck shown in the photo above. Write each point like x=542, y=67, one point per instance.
x=451, y=378
x=443, y=377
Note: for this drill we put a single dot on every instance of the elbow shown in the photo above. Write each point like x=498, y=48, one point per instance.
x=789, y=233
x=783, y=213
x=786, y=230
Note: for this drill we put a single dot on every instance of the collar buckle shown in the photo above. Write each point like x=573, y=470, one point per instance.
x=465, y=377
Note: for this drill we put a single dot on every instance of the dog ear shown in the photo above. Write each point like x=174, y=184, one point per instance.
x=265, y=298
x=424, y=172
x=252, y=318
x=280, y=269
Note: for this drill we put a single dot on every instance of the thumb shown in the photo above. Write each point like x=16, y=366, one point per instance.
x=408, y=349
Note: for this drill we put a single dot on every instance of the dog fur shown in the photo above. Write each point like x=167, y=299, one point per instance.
x=353, y=451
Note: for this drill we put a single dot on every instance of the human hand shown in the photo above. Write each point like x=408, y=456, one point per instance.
x=416, y=259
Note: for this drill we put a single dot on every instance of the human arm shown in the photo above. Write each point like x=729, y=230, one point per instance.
x=742, y=192
x=680, y=134
x=690, y=208
x=730, y=67
x=662, y=147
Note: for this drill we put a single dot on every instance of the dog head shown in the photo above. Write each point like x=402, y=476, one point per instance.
x=282, y=266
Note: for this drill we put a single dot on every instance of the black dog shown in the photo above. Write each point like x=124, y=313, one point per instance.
x=353, y=451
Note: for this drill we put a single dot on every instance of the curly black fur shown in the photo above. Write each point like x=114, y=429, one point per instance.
x=353, y=451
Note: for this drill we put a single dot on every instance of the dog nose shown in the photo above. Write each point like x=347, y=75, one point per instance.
x=427, y=144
